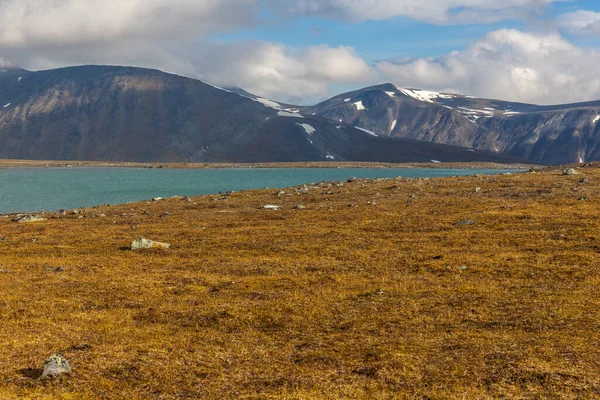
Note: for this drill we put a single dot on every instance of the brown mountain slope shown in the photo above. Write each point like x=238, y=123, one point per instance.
x=131, y=114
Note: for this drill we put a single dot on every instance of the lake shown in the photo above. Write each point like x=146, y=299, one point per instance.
x=50, y=189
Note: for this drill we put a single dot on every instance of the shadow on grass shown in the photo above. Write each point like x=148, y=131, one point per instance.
x=31, y=373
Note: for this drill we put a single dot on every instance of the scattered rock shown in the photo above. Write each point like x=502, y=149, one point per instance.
x=99, y=215
x=148, y=244
x=165, y=214
x=29, y=218
x=61, y=212
x=465, y=222
x=271, y=207
x=583, y=198
x=351, y=180
x=187, y=198
x=155, y=199
x=300, y=207
x=56, y=366
x=462, y=267
x=412, y=196
x=280, y=193
x=570, y=171
x=4, y=271
x=75, y=212
x=55, y=269
x=583, y=181
x=477, y=190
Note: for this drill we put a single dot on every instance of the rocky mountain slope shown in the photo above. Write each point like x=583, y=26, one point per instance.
x=542, y=134
x=130, y=114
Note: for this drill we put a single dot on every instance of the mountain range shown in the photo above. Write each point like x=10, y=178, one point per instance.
x=109, y=113
x=541, y=134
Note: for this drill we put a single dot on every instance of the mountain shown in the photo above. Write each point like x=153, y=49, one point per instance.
x=130, y=114
x=542, y=134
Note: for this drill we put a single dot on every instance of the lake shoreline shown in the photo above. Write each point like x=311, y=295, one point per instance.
x=29, y=190
x=11, y=164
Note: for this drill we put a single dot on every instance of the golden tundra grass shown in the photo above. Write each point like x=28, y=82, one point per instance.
x=358, y=296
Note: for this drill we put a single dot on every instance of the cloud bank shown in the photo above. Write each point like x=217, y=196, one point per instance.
x=509, y=65
x=175, y=36
x=438, y=11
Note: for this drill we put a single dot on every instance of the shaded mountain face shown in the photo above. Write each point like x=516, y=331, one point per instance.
x=130, y=114
x=542, y=134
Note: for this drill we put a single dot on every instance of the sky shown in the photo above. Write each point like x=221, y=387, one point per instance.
x=304, y=51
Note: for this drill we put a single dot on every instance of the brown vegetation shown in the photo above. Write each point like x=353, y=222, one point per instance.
x=371, y=291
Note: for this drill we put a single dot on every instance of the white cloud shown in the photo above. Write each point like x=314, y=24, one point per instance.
x=434, y=11
x=581, y=22
x=64, y=22
x=273, y=70
x=508, y=65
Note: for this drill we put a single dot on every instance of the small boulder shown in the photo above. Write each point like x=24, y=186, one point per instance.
x=29, y=218
x=271, y=207
x=155, y=199
x=300, y=207
x=56, y=366
x=148, y=244
x=570, y=171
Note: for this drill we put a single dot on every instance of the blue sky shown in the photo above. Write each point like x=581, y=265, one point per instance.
x=302, y=51
x=397, y=37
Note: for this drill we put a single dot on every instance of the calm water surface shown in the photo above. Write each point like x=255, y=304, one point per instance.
x=51, y=189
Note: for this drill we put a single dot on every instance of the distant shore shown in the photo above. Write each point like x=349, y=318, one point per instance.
x=7, y=164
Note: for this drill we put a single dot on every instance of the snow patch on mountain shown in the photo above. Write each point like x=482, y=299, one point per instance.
x=367, y=131
x=269, y=103
x=391, y=94
x=329, y=157
x=393, y=125
x=473, y=115
x=347, y=100
x=359, y=105
x=7, y=105
x=596, y=119
x=289, y=114
x=307, y=128
x=425, y=95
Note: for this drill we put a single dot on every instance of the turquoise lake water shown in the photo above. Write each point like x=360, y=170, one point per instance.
x=49, y=189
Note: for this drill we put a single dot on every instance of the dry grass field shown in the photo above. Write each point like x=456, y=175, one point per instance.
x=373, y=291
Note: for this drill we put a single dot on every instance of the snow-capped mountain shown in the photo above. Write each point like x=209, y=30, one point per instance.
x=543, y=134
x=132, y=114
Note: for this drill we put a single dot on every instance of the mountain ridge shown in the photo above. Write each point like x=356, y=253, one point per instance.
x=559, y=134
x=113, y=113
